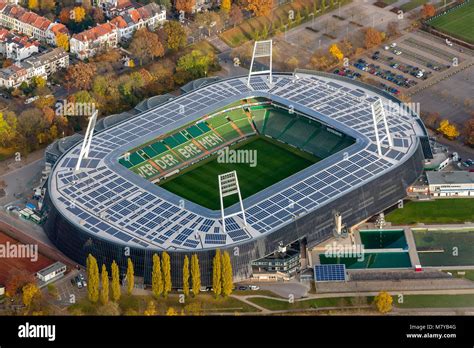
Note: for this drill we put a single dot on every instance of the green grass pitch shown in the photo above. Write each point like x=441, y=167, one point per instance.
x=459, y=22
x=275, y=162
x=440, y=211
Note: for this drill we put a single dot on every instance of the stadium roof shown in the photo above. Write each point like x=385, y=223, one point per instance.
x=111, y=202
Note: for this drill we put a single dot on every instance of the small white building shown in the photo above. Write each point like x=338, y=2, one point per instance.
x=55, y=270
x=16, y=47
x=451, y=184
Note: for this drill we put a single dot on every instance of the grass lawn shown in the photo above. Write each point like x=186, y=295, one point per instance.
x=462, y=240
x=275, y=162
x=458, y=22
x=412, y=4
x=441, y=211
x=279, y=305
x=435, y=301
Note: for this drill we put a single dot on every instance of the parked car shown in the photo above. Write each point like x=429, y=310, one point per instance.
x=243, y=287
x=393, y=44
x=254, y=287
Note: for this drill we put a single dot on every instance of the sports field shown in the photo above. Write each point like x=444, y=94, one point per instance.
x=445, y=247
x=440, y=211
x=458, y=22
x=274, y=162
x=9, y=266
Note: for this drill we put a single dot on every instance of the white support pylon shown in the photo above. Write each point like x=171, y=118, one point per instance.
x=86, y=145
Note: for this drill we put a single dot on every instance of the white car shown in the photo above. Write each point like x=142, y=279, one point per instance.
x=393, y=44
x=254, y=287
x=386, y=48
x=449, y=43
x=397, y=52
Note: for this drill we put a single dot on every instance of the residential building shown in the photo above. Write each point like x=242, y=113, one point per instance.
x=16, y=47
x=90, y=42
x=451, y=184
x=29, y=23
x=150, y=16
x=41, y=65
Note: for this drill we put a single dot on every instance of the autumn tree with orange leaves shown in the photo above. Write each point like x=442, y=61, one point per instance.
x=372, y=38
x=260, y=7
x=184, y=5
x=428, y=11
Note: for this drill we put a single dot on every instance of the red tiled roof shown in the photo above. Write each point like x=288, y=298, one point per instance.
x=94, y=33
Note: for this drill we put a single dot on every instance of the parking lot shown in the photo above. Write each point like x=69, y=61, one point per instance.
x=67, y=291
x=410, y=64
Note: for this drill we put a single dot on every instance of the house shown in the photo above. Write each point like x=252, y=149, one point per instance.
x=29, y=23
x=93, y=41
x=16, y=47
x=150, y=16
x=41, y=65
x=114, y=8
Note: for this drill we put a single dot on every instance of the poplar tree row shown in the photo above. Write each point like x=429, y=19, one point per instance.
x=95, y=291
x=222, y=282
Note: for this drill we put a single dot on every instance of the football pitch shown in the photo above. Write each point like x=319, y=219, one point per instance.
x=458, y=22
x=274, y=162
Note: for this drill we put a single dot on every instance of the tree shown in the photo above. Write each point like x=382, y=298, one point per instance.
x=146, y=45
x=432, y=120
x=185, y=5
x=392, y=28
x=92, y=278
x=130, y=277
x=195, y=64
x=428, y=11
x=65, y=15
x=98, y=15
x=175, y=35
x=195, y=275
x=186, y=276
x=33, y=4
x=448, y=130
x=104, y=292
x=166, y=269
x=217, y=273
x=372, y=38
x=80, y=76
x=469, y=132
x=150, y=309
x=235, y=15
x=62, y=40
x=227, y=281
x=165, y=3
x=7, y=129
x=47, y=5
x=383, y=302
x=156, y=277
x=30, y=291
x=225, y=5
x=171, y=312
x=323, y=5
x=78, y=14
x=116, y=292
x=260, y=7
x=336, y=52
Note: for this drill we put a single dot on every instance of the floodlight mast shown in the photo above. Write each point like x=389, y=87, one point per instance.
x=262, y=49
x=378, y=114
x=229, y=185
x=86, y=145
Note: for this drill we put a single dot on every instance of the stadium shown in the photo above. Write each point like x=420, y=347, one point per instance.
x=150, y=183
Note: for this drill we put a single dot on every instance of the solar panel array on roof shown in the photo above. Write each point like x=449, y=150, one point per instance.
x=110, y=201
x=330, y=273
